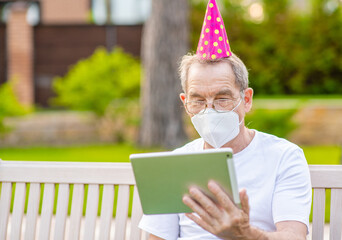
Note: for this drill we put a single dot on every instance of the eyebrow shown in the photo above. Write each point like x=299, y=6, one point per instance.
x=225, y=92
x=194, y=94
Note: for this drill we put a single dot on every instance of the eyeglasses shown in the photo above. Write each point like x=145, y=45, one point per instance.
x=195, y=107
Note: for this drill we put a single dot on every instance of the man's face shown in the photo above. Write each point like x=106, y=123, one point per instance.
x=211, y=82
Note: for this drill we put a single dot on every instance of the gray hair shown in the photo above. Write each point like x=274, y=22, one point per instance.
x=239, y=69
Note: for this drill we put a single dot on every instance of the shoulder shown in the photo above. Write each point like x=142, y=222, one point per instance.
x=287, y=156
x=195, y=145
x=271, y=143
x=279, y=151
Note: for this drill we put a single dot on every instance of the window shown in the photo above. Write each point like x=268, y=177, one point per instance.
x=128, y=12
x=32, y=17
x=4, y=11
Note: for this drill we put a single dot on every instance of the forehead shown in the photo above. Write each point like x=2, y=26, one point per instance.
x=210, y=78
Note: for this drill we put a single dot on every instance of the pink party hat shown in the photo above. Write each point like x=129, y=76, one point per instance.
x=213, y=41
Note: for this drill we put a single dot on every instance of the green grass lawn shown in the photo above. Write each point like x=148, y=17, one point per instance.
x=121, y=152
x=295, y=101
x=101, y=153
x=323, y=154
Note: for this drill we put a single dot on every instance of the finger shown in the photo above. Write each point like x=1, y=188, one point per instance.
x=187, y=200
x=221, y=196
x=199, y=221
x=244, y=201
x=207, y=204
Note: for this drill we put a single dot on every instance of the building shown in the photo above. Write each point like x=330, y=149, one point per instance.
x=41, y=39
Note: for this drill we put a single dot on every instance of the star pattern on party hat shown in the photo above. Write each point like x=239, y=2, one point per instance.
x=213, y=42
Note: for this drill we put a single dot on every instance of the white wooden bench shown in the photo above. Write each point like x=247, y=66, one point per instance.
x=106, y=176
x=95, y=176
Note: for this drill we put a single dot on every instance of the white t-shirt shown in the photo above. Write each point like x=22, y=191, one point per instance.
x=276, y=176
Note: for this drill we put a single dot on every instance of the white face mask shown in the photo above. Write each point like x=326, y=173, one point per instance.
x=217, y=128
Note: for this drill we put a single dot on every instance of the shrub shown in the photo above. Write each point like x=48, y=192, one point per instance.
x=93, y=83
x=121, y=120
x=274, y=121
x=9, y=104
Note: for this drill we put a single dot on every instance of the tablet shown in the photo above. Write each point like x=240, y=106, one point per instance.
x=163, y=178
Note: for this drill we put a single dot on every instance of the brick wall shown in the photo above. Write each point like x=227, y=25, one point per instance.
x=129, y=38
x=65, y=11
x=58, y=47
x=20, y=53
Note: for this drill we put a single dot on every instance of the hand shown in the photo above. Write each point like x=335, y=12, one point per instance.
x=223, y=218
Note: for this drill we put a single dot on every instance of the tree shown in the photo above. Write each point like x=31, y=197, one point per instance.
x=165, y=41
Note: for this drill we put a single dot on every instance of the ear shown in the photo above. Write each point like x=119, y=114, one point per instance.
x=248, y=99
x=182, y=97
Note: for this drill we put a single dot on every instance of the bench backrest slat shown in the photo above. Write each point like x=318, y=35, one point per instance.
x=47, y=211
x=62, y=211
x=76, y=211
x=136, y=216
x=5, y=204
x=32, y=211
x=18, y=210
x=91, y=211
x=318, y=214
x=121, y=212
x=336, y=213
x=106, y=211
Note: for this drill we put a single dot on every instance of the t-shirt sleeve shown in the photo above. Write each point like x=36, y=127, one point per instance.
x=165, y=226
x=292, y=194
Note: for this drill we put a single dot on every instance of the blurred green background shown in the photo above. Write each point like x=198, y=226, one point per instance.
x=290, y=47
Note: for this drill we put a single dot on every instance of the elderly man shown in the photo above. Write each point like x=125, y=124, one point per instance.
x=272, y=173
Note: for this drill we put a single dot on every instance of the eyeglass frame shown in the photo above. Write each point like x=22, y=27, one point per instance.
x=242, y=95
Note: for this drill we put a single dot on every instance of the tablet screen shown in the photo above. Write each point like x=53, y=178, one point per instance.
x=163, y=178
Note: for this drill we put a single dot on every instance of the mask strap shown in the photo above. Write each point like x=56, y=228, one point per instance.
x=235, y=108
x=237, y=105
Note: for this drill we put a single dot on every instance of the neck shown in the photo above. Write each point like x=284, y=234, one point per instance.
x=240, y=142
